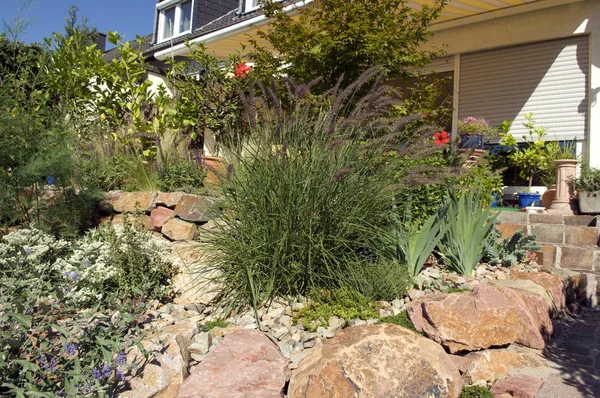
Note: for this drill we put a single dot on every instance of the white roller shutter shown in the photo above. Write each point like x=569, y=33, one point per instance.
x=549, y=79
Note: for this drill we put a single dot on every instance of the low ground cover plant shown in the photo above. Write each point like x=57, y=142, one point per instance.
x=509, y=251
x=69, y=310
x=344, y=303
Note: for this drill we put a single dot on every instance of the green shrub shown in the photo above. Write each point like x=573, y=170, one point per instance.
x=468, y=226
x=182, y=176
x=475, y=392
x=344, y=303
x=310, y=198
x=402, y=319
x=71, y=310
x=509, y=251
x=588, y=180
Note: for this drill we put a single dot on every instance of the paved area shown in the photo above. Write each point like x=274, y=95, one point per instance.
x=574, y=357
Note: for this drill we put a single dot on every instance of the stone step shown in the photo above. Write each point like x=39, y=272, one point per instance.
x=555, y=233
x=574, y=257
x=511, y=217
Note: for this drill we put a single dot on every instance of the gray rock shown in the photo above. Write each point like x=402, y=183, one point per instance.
x=278, y=333
x=398, y=303
x=357, y=322
x=285, y=320
x=285, y=349
x=310, y=344
x=202, y=342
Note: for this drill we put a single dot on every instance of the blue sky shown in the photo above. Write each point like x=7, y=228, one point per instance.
x=128, y=17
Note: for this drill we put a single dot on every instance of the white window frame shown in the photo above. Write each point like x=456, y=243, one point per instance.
x=162, y=8
x=251, y=5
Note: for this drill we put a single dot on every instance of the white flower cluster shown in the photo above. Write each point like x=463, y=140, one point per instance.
x=31, y=245
x=86, y=265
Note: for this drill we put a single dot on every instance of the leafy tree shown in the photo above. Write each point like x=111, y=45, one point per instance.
x=89, y=33
x=333, y=38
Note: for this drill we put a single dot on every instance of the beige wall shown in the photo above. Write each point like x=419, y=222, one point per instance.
x=579, y=17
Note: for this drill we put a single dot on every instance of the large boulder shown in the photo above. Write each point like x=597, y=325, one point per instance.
x=489, y=365
x=488, y=316
x=244, y=364
x=375, y=361
x=167, y=367
x=159, y=217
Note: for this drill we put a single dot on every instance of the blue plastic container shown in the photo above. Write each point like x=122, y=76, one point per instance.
x=50, y=180
x=494, y=200
x=471, y=141
x=529, y=199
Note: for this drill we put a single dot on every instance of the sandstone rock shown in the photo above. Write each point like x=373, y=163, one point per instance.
x=159, y=216
x=375, y=361
x=164, y=374
x=176, y=229
x=169, y=199
x=552, y=283
x=245, y=364
x=486, y=317
x=520, y=386
x=527, y=286
x=130, y=202
x=489, y=365
x=137, y=220
x=195, y=208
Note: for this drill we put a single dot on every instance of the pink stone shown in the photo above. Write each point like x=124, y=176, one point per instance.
x=488, y=316
x=244, y=364
x=159, y=216
x=521, y=386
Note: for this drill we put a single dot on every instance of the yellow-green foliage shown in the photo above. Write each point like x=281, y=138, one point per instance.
x=344, y=303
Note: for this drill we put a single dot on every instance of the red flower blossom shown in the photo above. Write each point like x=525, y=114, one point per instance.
x=441, y=138
x=241, y=70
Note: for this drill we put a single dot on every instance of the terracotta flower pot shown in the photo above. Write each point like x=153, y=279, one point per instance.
x=565, y=171
x=216, y=170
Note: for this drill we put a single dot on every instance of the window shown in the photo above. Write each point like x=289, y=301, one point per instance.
x=251, y=5
x=175, y=19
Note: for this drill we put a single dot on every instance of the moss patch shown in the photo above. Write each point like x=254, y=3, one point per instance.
x=475, y=392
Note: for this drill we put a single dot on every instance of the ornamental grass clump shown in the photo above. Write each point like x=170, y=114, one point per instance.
x=310, y=198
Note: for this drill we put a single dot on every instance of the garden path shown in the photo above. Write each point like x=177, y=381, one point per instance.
x=574, y=357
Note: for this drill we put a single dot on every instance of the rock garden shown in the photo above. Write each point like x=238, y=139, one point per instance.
x=341, y=244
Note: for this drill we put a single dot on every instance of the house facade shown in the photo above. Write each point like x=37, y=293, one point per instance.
x=505, y=57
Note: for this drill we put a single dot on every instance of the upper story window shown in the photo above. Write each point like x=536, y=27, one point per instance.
x=251, y=5
x=174, y=18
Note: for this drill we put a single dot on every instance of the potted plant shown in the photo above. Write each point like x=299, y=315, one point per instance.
x=530, y=156
x=472, y=131
x=587, y=186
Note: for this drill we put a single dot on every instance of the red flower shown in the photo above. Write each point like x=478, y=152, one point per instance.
x=241, y=70
x=441, y=138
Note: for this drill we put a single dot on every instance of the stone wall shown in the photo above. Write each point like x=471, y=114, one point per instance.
x=175, y=215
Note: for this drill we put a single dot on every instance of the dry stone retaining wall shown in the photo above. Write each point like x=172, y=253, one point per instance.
x=175, y=215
